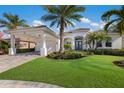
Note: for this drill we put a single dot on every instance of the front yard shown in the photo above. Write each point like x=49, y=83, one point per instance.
x=92, y=71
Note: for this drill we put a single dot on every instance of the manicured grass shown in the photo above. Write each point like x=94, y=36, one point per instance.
x=92, y=71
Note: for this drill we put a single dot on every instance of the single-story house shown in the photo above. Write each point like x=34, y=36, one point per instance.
x=46, y=41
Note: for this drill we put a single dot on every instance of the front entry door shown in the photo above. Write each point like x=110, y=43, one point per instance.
x=78, y=45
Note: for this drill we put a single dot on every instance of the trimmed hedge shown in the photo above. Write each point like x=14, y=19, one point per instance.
x=114, y=52
x=24, y=50
x=66, y=55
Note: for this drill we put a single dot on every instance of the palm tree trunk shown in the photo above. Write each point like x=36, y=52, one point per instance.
x=61, y=35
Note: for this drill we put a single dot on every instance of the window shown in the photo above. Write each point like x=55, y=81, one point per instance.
x=99, y=44
x=108, y=44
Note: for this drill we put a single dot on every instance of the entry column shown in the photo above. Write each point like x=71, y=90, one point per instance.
x=43, y=50
x=73, y=43
x=57, y=45
x=12, y=49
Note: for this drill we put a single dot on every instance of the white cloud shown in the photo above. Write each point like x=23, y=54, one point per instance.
x=102, y=24
x=94, y=24
x=97, y=25
x=37, y=23
x=85, y=20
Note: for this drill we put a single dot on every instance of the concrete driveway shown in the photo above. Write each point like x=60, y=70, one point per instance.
x=7, y=62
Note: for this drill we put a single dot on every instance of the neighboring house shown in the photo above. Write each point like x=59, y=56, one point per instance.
x=45, y=39
x=77, y=40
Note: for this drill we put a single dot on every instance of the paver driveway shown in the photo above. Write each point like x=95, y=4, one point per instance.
x=8, y=62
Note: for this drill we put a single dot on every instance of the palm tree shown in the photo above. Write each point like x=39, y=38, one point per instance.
x=12, y=21
x=115, y=20
x=62, y=17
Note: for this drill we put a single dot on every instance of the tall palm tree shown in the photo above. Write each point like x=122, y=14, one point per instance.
x=12, y=21
x=115, y=20
x=62, y=17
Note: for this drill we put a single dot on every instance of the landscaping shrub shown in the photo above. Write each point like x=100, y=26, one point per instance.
x=66, y=55
x=67, y=46
x=114, y=52
x=119, y=63
x=24, y=50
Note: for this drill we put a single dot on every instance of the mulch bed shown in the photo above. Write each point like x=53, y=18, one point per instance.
x=119, y=63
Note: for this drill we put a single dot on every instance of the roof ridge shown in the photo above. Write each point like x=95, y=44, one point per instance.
x=78, y=29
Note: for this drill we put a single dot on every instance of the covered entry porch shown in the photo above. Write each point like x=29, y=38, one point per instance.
x=45, y=40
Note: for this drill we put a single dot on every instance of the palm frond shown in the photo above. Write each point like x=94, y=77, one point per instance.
x=67, y=12
x=69, y=23
x=107, y=26
x=116, y=23
x=12, y=21
x=53, y=9
x=122, y=8
x=76, y=17
x=106, y=16
x=49, y=17
x=9, y=17
x=75, y=9
x=53, y=22
x=3, y=22
x=120, y=27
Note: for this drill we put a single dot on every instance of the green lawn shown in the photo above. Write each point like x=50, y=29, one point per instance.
x=92, y=71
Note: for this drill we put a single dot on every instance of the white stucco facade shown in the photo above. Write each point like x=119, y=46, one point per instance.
x=117, y=41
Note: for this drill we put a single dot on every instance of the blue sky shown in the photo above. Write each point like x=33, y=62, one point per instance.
x=33, y=13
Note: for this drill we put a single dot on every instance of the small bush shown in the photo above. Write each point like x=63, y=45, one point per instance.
x=119, y=63
x=67, y=46
x=3, y=47
x=66, y=55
